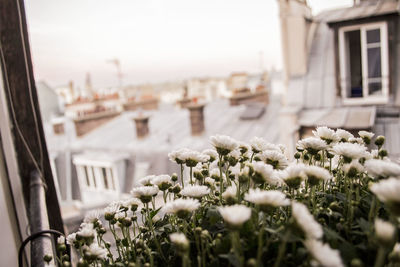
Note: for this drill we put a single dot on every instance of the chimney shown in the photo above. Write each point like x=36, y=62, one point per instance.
x=88, y=122
x=296, y=18
x=196, y=118
x=142, y=126
x=58, y=128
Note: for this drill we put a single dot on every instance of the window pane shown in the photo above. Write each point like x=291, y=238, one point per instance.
x=374, y=62
x=353, y=42
x=94, y=177
x=373, y=36
x=86, y=176
x=375, y=88
x=105, y=177
x=112, y=179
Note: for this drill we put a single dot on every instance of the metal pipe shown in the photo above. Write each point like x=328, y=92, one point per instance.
x=39, y=220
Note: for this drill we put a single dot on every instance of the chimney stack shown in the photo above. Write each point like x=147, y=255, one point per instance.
x=295, y=17
x=142, y=126
x=196, y=118
x=58, y=126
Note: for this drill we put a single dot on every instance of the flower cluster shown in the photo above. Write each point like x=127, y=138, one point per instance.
x=245, y=204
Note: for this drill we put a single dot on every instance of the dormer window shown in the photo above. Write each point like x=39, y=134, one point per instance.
x=98, y=177
x=364, y=71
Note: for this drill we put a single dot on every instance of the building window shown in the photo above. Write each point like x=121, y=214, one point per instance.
x=364, y=71
x=97, y=178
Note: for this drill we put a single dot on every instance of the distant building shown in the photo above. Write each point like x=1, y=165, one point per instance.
x=105, y=163
x=342, y=69
x=49, y=101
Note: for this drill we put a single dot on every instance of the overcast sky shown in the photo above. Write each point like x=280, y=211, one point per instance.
x=155, y=40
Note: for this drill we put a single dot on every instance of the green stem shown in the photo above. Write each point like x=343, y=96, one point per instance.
x=380, y=257
x=191, y=175
x=221, y=180
x=260, y=244
x=282, y=249
x=183, y=184
x=237, y=249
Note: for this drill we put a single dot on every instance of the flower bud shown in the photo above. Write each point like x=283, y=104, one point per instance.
x=380, y=140
x=47, y=258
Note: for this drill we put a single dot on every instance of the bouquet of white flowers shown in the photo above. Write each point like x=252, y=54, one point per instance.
x=336, y=204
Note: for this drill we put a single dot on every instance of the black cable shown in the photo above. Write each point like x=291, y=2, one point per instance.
x=32, y=237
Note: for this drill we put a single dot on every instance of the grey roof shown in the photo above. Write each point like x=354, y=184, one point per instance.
x=169, y=130
x=343, y=117
x=363, y=10
x=317, y=88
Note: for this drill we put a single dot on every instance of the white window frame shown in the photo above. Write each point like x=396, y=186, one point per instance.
x=366, y=99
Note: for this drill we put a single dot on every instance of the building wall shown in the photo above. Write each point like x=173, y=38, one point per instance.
x=48, y=101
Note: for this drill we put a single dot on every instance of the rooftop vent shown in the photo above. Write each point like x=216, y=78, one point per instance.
x=253, y=112
x=142, y=126
x=196, y=118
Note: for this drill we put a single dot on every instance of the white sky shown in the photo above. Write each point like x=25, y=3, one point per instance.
x=155, y=40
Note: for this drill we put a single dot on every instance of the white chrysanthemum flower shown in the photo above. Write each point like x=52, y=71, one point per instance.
x=96, y=251
x=179, y=240
x=265, y=173
x=193, y=157
x=61, y=240
x=235, y=215
x=177, y=156
x=71, y=238
x=353, y=168
x=274, y=158
x=161, y=179
x=365, y=134
x=181, y=207
x=387, y=190
x=382, y=168
x=230, y=193
x=87, y=230
x=316, y=174
x=131, y=202
x=323, y=253
x=145, y=193
x=344, y=135
x=209, y=181
x=211, y=153
x=357, y=140
x=396, y=248
x=385, y=231
x=271, y=198
x=244, y=147
x=195, y=191
x=326, y=134
x=235, y=154
x=163, y=182
x=293, y=175
x=350, y=150
x=258, y=144
x=312, y=144
x=147, y=181
x=120, y=215
x=306, y=221
x=112, y=208
x=223, y=143
x=92, y=216
x=214, y=173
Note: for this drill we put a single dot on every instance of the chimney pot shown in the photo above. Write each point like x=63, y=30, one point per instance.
x=196, y=118
x=58, y=128
x=142, y=126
